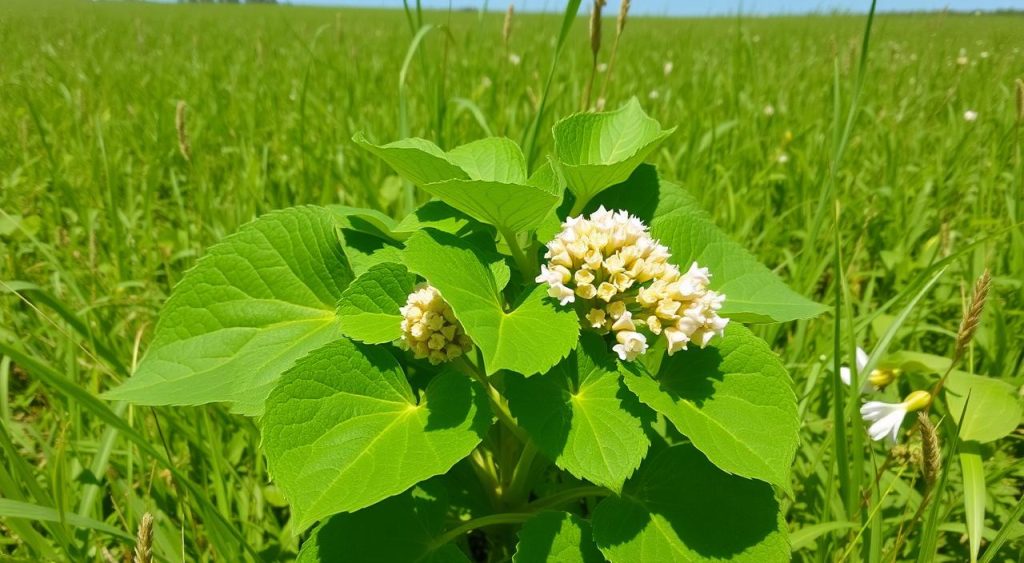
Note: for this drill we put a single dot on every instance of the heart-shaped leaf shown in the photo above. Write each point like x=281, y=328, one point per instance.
x=598, y=150
x=485, y=179
x=529, y=339
x=579, y=415
x=257, y=302
x=417, y=160
x=556, y=536
x=733, y=400
x=679, y=507
x=993, y=406
x=343, y=429
x=369, y=307
x=401, y=528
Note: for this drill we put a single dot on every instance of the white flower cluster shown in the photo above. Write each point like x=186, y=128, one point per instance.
x=627, y=286
x=430, y=329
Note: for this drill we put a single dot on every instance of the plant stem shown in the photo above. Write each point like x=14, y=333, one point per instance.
x=517, y=486
x=523, y=262
x=577, y=207
x=483, y=521
x=498, y=402
x=567, y=496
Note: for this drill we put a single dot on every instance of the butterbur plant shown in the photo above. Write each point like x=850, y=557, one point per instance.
x=529, y=366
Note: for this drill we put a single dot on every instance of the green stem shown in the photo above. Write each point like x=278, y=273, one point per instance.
x=577, y=206
x=498, y=403
x=523, y=262
x=517, y=486
x=567, y=496
x=483, y=521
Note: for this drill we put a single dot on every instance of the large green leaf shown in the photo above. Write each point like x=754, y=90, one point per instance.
x=993, y=410
x=402, y=528
x=257, y=302
x=417, y=160
x=556, y=537
x=368, y=308
x=679, y=507
x=485, y=179
x=343, y=429
x=579, y=415
x=753, y=292
x=598, y=150
x=733, y=400
x=528, y=339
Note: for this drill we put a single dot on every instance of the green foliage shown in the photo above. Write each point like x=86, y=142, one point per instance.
x=732, y=400
x=343, y=429
x=252, y=306
x=103, y=215
x=401, y=528
x=485, y=179
x=530, y=338
x=368, y=308
x=580, y=416
x=708, y=515
x=596, y=151
x=556, y=536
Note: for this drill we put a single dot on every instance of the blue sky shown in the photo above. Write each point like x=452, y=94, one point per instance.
x=702, y=7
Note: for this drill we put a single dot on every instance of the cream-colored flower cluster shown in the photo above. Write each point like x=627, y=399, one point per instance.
x=627, y=286
x=430, y=329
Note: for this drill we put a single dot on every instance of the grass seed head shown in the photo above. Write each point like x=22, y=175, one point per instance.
x=595, y=27
x=620, y=24
x=144, y=540
x=1020, y=100
x=179, y=124
x=972, y=315
x=931, y=456
x=506, y=29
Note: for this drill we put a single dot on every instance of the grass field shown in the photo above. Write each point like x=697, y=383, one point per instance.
x=103, y=212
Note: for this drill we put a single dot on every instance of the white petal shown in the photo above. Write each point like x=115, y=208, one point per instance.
x=845, y=375
x=862, y=359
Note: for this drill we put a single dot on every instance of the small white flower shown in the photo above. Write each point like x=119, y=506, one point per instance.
x=970, y=116
x=654, y=95
x=667, y=69
x=602, y=67
x=514, y=59
x=847, y=375
x=769, y=110
x=630, y=345
x=983, y=54
x=962, y=59
x=886, y=418
x=783, y=158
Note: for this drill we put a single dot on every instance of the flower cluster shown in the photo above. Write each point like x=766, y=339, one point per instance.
x=626, y=285
x=430, y=329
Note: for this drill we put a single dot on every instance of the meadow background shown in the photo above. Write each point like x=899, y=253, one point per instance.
x=103, y=211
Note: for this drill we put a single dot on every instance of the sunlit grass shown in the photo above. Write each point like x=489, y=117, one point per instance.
x=102, y=213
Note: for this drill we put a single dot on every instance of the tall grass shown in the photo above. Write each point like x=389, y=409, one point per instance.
x=134, y=136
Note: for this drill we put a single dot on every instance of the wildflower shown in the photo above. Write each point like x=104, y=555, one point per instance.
x=970, y=116
x=878, y=379
x=514, y=59
x=602, y=67
x=430, y=329
x=654, y=95
x=783, y=158
x=622, y=282
x=962, y=59
x=769, y=110
x=667, y=69
x=887, y=417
